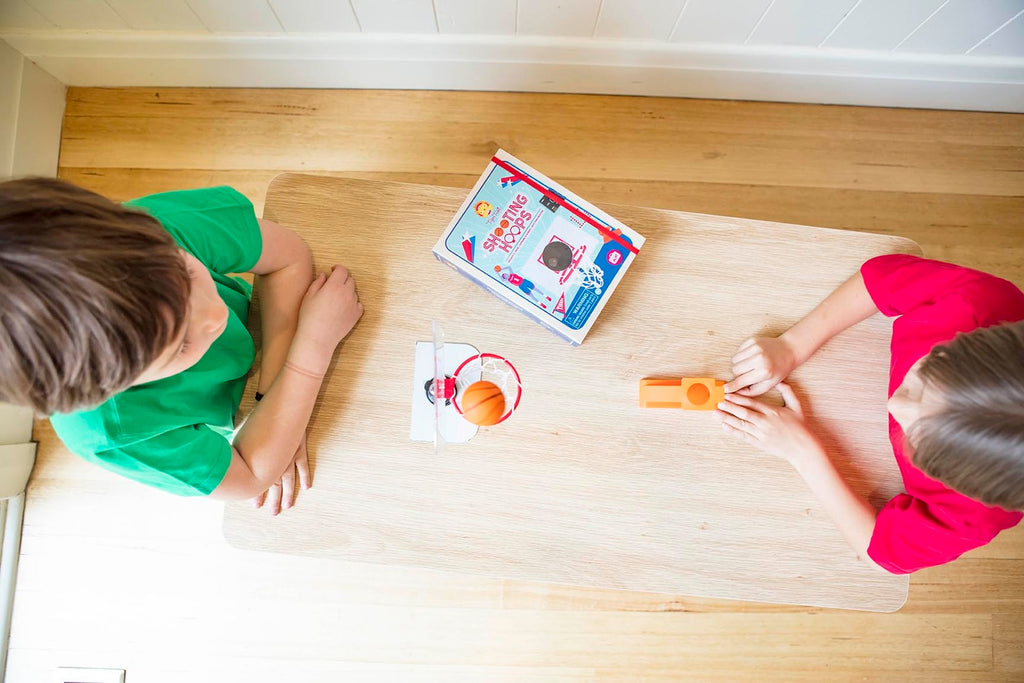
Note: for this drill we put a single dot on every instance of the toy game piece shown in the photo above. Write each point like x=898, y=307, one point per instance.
x=483, y=403
x=687, y=393
x=538, y=247
x=442, y=375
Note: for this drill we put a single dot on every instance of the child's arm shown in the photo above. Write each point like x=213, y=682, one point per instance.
x=285, y=269
x=782, y=432
x=762, y=362
x=266, y=445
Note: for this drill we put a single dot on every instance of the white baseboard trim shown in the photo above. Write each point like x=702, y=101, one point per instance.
x=505, y=63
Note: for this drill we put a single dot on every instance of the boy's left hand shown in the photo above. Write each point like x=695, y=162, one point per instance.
x=281, y=495
x=779, y=431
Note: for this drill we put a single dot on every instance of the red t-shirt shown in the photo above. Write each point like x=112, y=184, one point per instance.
x=932, y=524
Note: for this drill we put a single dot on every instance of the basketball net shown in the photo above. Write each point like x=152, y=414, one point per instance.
x=489, y=367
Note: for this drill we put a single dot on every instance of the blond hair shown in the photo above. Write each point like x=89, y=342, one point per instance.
x=975, y=443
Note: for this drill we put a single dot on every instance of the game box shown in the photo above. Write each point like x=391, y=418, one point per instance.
x=538, y=247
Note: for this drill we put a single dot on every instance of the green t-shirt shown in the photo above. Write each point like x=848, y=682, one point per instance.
x=174, y=433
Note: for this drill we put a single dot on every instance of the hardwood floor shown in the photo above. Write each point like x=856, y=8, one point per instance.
x=113, y=575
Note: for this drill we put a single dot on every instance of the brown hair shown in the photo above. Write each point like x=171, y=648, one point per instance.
x=975, y=442
x=91, y=292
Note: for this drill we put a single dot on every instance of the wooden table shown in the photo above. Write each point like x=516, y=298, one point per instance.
x=581, y=486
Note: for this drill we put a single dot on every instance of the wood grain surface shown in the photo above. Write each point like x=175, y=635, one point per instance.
x=582, y=486
x=113, y=574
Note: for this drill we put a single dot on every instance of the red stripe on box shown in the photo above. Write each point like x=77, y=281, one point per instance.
x=558, y=200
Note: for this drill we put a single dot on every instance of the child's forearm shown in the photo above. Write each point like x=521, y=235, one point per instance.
x=268, y=440
x=281, y=295
x=851, y=513
x=846, y=306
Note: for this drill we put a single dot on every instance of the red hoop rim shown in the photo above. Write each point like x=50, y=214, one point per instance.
x=480, y=357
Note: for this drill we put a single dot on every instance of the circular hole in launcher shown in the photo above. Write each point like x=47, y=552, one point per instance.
x=698, y=394
x=557, y=255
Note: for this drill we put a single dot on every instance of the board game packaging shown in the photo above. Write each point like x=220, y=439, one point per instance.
x=538, y=247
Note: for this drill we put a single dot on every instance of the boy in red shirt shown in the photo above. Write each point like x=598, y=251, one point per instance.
x=956, y=388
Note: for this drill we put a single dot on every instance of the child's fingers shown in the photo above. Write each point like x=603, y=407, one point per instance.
x=736, y=384
x=288, y=488
x=734, y=408
x=274, y=498
x=752, y=363
x=340, y=273
x=747, y=343
x=758, y=388
x=740, y=381
x=302, y=465
x=739, y=433
x=737, y=424
x=745, y=379
x=316, y=285
x=746, y=352
x=788, y=395
x=258, y=501
x=756, y=409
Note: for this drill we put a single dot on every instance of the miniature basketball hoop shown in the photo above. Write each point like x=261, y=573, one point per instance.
x=441, y=374
x=489, y=367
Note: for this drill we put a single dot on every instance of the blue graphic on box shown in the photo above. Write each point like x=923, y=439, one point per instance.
x=537, y=249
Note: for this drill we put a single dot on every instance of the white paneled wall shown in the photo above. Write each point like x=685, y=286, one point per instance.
x=960, y=25
x=1006, y=41
x=638, y=20
x=394, y=16
x=486, y=17
x=800, y=22
x=151, y=15
x=930, y=53
x=719, y=21
x=80, y=14
x=19, y=14
x=566, y=18
x=316, y=16
x=918, y=26
x=242, y=16
x=881, y=24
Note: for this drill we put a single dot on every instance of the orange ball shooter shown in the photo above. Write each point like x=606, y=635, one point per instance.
x=483, y=403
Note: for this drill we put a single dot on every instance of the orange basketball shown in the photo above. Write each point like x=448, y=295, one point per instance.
x=483, y=403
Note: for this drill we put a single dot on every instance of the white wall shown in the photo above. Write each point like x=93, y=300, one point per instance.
x=951, y=27
x=31, y=112
x=10, y=91
x=966, y=54
x=933, y=53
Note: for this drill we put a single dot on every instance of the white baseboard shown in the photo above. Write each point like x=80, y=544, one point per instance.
x=506, y=63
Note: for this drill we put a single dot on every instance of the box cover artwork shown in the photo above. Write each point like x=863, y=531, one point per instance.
x=538, y=247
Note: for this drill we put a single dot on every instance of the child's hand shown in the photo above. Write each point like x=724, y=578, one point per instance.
x=779, y=431
x=760, y=364
x=281, y=495
x=329, y=311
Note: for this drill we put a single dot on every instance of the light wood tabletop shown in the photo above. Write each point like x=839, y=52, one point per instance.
x=581, y=486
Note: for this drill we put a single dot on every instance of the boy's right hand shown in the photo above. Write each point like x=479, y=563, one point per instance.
x=329, y=311
x=760, y=364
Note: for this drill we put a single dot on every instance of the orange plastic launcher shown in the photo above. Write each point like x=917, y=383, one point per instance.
x=687, y=393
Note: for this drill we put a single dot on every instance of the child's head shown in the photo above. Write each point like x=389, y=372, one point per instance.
x=91, y=294
x=970, y=434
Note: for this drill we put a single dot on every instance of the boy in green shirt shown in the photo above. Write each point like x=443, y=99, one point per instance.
x=123, y=324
